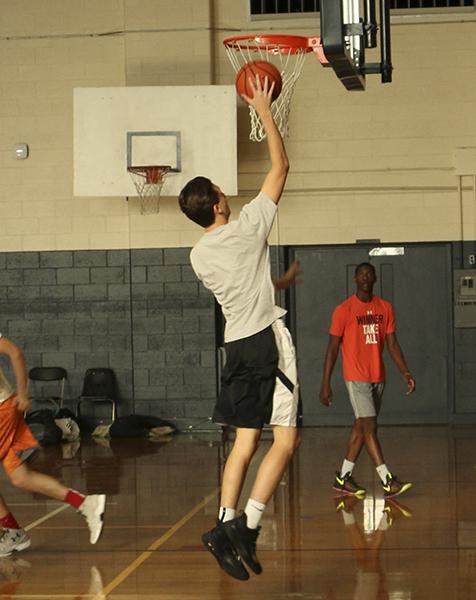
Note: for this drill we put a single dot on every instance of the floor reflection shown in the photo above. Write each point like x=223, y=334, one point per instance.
x=15, y=569
x=12, y=570
x=313, y=546
x=366, y=523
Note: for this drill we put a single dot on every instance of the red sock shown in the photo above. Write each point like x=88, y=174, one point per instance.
x=9, y=522
x=74, y=498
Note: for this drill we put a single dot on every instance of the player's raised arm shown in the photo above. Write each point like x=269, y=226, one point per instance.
x=275, y=179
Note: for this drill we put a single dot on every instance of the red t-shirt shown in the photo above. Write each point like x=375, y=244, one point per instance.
x=363, y=327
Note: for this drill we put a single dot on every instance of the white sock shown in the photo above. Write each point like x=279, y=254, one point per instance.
x=383, y=472
x=226, y=514
x=349, y=518
x=383, y=524
x=254, y=511
x=347, y=467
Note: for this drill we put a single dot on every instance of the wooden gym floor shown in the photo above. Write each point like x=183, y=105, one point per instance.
x=163, y=495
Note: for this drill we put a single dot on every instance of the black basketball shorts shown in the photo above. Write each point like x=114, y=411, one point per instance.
x=259, y=381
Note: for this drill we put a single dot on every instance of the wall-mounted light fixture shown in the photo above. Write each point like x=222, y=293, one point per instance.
x=20, y=151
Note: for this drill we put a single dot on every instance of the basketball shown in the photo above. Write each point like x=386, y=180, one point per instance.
x=263, y=69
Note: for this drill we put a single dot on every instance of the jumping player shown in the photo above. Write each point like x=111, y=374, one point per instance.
x=16, y=445
x=362, y=324
x=259, y=381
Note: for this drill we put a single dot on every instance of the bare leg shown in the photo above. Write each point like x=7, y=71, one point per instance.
x=4, y=510
x=356, y=441
x=246, y=444
x=33, y=481
x=371, y=441
x=243, y=531
x=273, y=465
x=91, y=507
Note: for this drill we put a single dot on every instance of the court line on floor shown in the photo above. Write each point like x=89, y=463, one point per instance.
x=46, y=517
x=37, y=504
x=109, y=527
x=154, y=546
x=49, y=596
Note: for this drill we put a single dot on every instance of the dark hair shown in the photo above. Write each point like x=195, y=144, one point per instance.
x=197, y=200
x=364, y=264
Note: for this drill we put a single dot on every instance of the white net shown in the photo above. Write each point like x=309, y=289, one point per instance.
x=148, y=182
x=289, y=61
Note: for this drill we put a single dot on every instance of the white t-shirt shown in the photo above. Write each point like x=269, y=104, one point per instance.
x=5, y=388
x=232, y=261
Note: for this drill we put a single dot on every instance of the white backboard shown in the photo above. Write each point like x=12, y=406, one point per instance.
x=191, y=128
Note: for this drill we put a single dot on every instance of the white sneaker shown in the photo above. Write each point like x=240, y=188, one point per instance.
x=12, y=540
x=92, y=510
x=12, y=568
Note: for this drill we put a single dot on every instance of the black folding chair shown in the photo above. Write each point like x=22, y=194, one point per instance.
x=99, y=386
x=45, y=376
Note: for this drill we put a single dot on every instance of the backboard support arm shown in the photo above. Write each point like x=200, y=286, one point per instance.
x=345, y=36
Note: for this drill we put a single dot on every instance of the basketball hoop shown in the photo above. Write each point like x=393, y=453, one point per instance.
x=287, y=52
x=148, y=181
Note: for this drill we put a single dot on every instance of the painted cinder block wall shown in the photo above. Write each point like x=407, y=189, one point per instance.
x=377, y=164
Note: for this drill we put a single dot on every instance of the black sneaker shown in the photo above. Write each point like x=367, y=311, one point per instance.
x=244, y=540
x=394, y=487
x=216, y=541
x=345, y=484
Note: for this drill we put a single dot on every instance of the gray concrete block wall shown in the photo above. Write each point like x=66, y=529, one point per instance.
x=79, y=309
x=168, y=304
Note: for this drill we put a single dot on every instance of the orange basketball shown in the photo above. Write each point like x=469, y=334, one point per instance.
x=263, y=69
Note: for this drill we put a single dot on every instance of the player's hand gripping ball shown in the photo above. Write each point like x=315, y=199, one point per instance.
x=263, y=69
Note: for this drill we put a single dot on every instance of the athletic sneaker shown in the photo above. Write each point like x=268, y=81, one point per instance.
x=346, y=503
x=12, y=568
x=92, y=510
x=345, y=484
x=394, y=487
x=244, y=540
x=96, y=584
x=394, y=510
x=217, y=543
x=13, y=540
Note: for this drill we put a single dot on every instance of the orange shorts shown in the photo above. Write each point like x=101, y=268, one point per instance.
x=16, y=440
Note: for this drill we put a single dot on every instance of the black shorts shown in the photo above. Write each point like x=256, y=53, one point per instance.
x=259, y=381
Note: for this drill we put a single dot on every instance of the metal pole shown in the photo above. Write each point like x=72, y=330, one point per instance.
x=474, y=194
x=461, y=216
x=385, y=43
x=370, y=24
